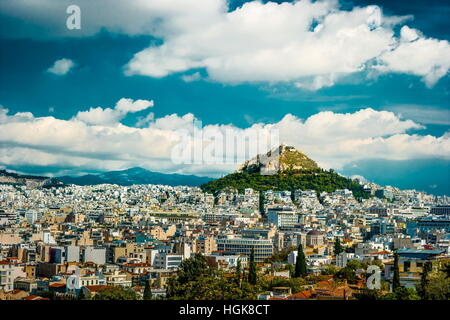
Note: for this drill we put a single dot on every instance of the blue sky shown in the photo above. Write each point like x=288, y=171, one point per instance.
x=222, y=87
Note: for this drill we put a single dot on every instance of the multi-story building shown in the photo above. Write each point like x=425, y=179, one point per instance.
x=441, y=211
x=7, y=218
x=205, y=245
x=6, y=276
x=95, y=255
x=411, y=263
x=164, y=260
x=426, y=224
x=283, y=217
x=263, y=248
x=226, y=260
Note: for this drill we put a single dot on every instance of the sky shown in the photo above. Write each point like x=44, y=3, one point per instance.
x=359, y=86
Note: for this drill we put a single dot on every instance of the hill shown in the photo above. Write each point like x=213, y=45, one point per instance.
x=12, y=178
x=136, y=176
x=281, y=159
x=284, y=168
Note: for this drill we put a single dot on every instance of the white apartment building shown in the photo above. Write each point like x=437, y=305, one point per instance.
x=6, y=276
x=283, y=218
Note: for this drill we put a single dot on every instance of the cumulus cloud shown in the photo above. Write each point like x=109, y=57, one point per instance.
x=332, y=139
x=144, y=121
x=61, y=67
x=108, y=116
x=273, y=42
x=417, y=55
x=309, y=43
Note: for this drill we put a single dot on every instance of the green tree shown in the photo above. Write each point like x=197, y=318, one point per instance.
x=147, y=291
x=402, y=293
x=329, y=270
x=290, y=267
x=190, y=269
x=438, y=287
x=296, y=284
x=367, y=294
x=422, y=286
x=116, y=293
x=396, y=277
x=356, y=264
x=338, y=246
x=446, y=269
x=316, y=179
x=195, y=280
x=378, y=263
x=300, y=263
x=261, y=203
x=346, y=273
x=280, y=256
x=252, y=276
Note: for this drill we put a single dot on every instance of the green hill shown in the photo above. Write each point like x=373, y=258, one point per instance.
x=309, y=177
x=317, y=179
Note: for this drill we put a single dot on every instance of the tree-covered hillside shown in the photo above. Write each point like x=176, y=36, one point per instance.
x=315, y=179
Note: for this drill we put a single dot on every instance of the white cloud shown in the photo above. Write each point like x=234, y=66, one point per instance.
x=332, y=139
x=144, y=121
x=417, y=55
x=108, y=116
x=408, y=34
x=128, y=105
x=191, y=77
x=272, y=42
x=61, y=67
x=307, y=43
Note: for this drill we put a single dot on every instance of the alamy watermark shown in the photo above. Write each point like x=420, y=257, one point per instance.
x=225, y=145
x=73, y=21
x=374, y=280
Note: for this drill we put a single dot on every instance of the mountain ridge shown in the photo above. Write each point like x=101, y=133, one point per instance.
x=12, y=178
x=136, y=175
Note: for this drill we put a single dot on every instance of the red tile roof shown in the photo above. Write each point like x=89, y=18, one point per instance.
x=95, y=288
x=305, y=294
x=57, y=285
x=32, y=297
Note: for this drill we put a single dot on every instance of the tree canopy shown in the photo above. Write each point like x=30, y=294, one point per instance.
x=314, y=179
x=195, y=280
x=116, y=293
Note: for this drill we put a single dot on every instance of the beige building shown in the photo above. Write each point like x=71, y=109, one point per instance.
x=314, y=238
x=205, y=245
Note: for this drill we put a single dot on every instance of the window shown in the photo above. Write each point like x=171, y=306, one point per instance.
x=406, y=266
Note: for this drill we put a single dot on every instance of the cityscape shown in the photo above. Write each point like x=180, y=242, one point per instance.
x=216, y=158
x=109, y=241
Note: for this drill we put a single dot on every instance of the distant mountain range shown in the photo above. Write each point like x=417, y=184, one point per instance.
x=123, y=177
x=136, y=176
